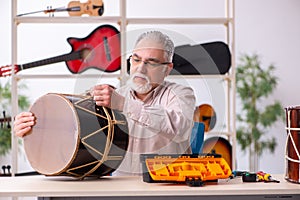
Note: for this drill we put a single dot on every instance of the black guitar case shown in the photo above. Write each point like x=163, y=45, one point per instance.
x=206, y=58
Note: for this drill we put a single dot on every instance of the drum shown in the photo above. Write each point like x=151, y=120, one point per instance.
x=74, y=137
x=292, y=154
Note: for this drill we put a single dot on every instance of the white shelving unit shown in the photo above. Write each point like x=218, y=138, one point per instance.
x=227, y=21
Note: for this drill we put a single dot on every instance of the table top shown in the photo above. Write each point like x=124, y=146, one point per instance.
x=60, y=186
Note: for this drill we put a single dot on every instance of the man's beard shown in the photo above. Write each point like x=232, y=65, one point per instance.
x=140, y=88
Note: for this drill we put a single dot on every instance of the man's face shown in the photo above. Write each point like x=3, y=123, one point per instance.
x=146, y=64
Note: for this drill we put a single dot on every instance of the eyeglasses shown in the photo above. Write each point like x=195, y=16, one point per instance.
x=151, y=63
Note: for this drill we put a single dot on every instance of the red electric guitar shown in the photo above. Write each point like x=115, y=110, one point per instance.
x=99, y=50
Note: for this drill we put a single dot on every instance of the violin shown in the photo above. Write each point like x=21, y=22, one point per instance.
x=76, y=8
x=91, y=8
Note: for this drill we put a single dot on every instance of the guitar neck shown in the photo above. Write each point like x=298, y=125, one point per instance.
x=65, y=57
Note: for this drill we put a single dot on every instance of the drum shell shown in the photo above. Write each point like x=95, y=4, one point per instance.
x=292, y=159
x=97, y=144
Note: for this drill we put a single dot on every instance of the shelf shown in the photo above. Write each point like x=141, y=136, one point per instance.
x=90, y=19
x=218, y=133
x=116, y=19
x=110, y=75
x=177, y=21
x=61, y=76
x=223, y=76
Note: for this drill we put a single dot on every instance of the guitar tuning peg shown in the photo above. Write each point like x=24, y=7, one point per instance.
x=5, y=120
x=8, y=125
x=50, y=11
x=8, y=167
x=3, y=168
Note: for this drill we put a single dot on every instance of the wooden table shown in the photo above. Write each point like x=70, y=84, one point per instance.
x=134, y=188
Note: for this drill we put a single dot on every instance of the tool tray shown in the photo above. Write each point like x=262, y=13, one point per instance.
x=192, y=169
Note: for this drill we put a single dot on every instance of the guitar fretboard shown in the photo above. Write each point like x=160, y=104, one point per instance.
x=65, y=57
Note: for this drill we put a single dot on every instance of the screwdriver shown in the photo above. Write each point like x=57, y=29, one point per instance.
x=262, y=176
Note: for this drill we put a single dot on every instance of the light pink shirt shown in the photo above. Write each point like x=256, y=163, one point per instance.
x=161, y=124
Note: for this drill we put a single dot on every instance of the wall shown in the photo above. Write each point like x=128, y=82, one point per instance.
x=269, y=28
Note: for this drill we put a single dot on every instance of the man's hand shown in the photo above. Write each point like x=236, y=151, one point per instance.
x=23, y=123
x=105, y=95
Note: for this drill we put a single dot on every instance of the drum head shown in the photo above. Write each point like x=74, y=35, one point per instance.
x=56, y=123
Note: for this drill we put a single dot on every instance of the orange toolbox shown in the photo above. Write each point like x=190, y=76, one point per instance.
x=192, y=169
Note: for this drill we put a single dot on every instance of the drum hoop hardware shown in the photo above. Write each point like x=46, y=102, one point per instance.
x=84, y=109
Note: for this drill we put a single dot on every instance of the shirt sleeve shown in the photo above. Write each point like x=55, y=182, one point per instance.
x=173, y=117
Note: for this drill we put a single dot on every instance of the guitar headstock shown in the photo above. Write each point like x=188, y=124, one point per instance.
x=7, y=70
x=6, y=170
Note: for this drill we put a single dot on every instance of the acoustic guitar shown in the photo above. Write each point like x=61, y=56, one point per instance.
x=218, y=145
x=206, y=114
x=99, y=50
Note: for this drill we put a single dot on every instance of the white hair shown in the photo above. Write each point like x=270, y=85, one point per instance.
x=160, y=38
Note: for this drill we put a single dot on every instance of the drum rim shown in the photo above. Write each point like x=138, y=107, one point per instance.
x=295, y=107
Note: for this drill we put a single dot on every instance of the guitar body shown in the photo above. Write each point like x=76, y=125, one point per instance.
x=103, y=47
x=218, y=145
x=207, y=115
